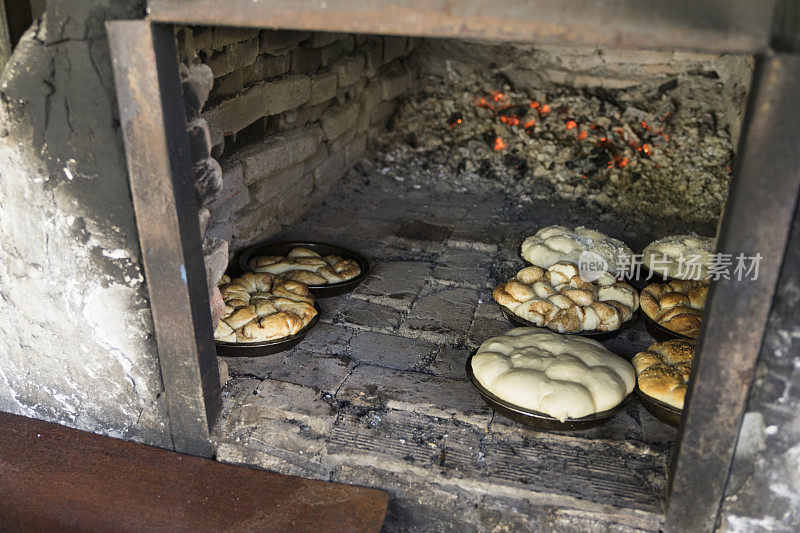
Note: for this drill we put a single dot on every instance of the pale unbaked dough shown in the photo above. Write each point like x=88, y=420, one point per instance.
x=562, y=376
x=665, y=256
x=552, y=244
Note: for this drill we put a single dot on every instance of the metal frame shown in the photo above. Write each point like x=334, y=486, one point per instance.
x=758, y=218
x=709, y=25
x=762, y=199
x=151, y=112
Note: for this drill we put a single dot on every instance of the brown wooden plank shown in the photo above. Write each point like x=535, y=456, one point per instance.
x=54, y=478
x=711, y=25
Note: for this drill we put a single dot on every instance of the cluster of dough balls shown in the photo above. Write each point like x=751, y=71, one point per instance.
x=677, y=305
x=679, y=256
x=663, y=370
x=553, y=244
x=559, y=299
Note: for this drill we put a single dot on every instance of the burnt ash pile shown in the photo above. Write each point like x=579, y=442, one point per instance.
x=642, y=153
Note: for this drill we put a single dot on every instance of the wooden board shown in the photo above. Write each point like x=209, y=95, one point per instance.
x=54, y=478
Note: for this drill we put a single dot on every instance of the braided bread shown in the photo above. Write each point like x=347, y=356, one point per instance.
x=261, y=308
x=677, y=305
x=663, y=370
x=557, y=298
x=552, y=244
x=306, y=266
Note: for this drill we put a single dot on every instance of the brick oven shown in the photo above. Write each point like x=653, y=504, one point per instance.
x=431, y=137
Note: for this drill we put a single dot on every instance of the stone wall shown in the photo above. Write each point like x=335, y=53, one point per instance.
x=289, y=113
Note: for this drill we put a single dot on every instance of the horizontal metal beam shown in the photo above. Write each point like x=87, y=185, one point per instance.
x=709, y=25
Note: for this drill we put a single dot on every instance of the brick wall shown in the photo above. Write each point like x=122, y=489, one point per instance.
x=289, y=113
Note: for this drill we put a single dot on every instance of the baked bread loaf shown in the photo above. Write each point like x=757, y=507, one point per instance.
x=677, y=305
x=552, y=244
x=261, y=308
x=306, y=266
x=679, y=256
x=663, y=370
x=564, y=377
x=558, y=299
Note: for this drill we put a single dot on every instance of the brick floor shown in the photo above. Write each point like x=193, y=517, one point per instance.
x=377, y=395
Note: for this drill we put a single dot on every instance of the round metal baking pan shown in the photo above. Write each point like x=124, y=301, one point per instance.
x=538, y=420
x=660, y=333
x=320, y=291
x=666, y=413
x=258, y=349
x=595, y=334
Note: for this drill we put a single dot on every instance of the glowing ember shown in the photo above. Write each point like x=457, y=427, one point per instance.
x=483, y=103
x=456, y=119
x=622, y=143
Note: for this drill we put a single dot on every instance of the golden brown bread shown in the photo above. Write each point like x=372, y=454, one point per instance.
x=663, y=370
x=677, y=305
x=261, y=308
x=307, y=266
x=559, y=299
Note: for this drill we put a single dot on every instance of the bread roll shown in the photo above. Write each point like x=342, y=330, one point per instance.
x=557, y=298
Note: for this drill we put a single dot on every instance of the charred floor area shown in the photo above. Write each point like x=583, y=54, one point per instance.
x=377, y=395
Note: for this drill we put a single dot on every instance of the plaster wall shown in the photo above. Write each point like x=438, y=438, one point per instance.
x=76, y=343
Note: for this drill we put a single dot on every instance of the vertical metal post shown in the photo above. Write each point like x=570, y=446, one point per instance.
x=5, y=36
x=757, y=219
x=151, y=110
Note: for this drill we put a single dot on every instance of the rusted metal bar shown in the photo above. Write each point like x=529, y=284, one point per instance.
x=711, y=25
x=154, y=130
x=758, y=217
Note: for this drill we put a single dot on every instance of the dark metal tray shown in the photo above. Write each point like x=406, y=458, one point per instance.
x=596, y=335
x=538, y=420
x=666, y=413
x=320, y=291
x=659, y=332
x=258, y=349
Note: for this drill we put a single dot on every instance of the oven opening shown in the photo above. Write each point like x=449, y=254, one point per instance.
x=417, y=248
x=435, y=159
